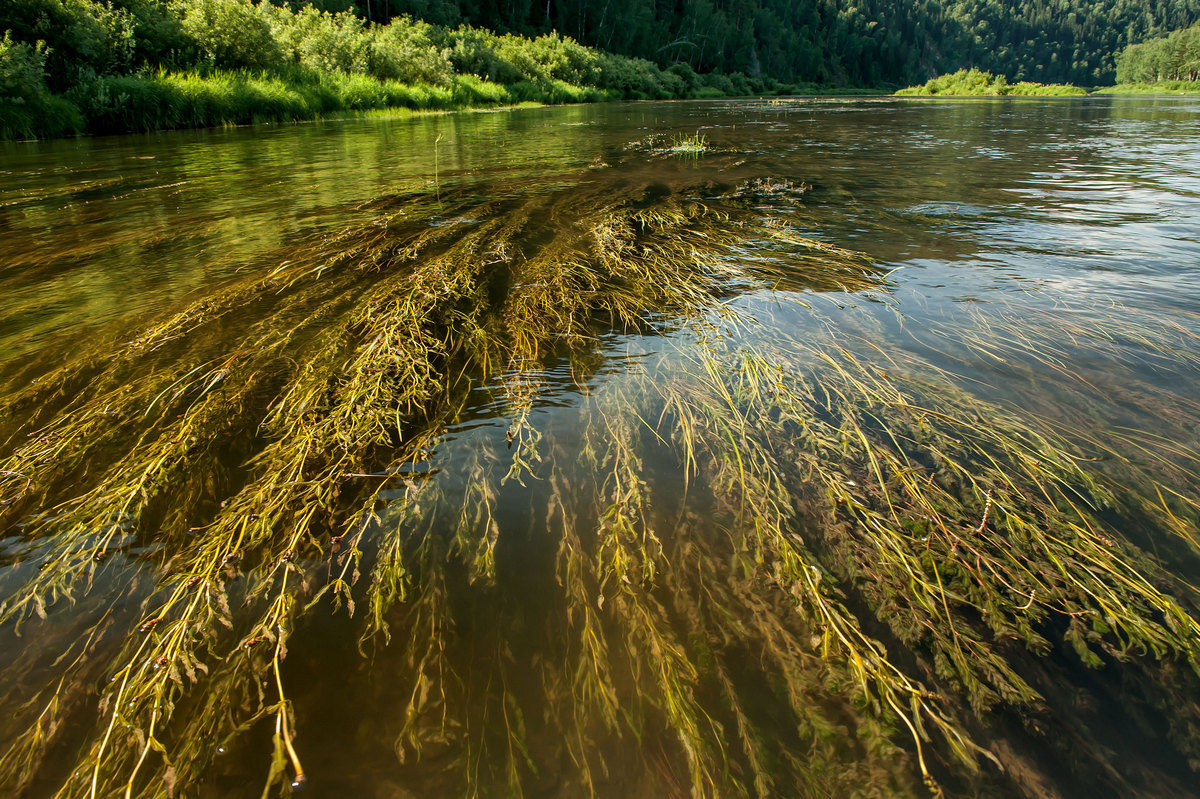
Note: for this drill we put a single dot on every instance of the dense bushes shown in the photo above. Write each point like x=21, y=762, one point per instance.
x=976, y=83
x=147, y=64
x=411, y=52
x=26, y=106
x=230, y=34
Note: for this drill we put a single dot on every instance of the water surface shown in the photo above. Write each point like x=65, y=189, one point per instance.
x=1039, y=257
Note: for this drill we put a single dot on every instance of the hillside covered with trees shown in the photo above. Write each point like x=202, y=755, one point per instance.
x=851, y=42
x=1166, y=58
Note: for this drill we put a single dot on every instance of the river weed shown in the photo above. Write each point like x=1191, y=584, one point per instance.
x=758, y=562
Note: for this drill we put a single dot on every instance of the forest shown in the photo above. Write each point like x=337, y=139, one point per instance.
x=847, y=42
x=1167, y=58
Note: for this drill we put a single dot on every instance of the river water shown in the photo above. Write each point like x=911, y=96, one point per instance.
x=1039, y=260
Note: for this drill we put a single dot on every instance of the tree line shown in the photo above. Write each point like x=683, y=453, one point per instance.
x=836, y=42
x=848, y=42
x=1167, y=58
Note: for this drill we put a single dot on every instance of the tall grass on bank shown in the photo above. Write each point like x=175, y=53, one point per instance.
x=170, y=100
x=773, y=564
x=1158, y=87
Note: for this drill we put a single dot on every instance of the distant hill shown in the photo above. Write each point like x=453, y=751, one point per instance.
x=850, y=42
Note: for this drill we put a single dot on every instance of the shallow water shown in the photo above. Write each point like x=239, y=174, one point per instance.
x=1039, y=256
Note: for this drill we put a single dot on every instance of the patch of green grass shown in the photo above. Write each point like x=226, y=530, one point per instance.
x=977, y=83
x=1160, y=87
x=41, y=116
x=188, y=100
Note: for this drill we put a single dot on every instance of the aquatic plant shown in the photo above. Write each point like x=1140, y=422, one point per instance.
x=757, y=560
x=685, y=145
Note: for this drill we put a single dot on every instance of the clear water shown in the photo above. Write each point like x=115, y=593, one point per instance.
x=1069, y=229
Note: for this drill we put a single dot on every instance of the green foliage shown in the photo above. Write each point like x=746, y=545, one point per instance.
x=26, y=107
x=231, y=34
x=965, y=82
x=1159, y=87
x=154, y=64
x=21, y=69
x=1027, y=89
x=322, y=41
x=1170, y=58
x=841, y=42
x=409, y=52
x=571, y=51
x=976, y=83
x=82, y=37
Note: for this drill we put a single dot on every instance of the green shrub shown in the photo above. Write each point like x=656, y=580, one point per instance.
x=322, y=41
x=473, y=52
x=83, y=38
x=232, y=34
x=407, y=51
x=967, y=82
x=22, y=69
x=158, y=36
x=715, y=82
x=688, y=78
x=27, y=108
x=1025, y=88
x=976, y=83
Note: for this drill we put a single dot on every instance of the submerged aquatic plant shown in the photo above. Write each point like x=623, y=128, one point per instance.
x=755, y=534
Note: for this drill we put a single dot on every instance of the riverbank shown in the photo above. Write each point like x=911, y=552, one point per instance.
x=977, y=83
x=205, y=63
x=168, y=101
x=175, y=101
x=1160, y=87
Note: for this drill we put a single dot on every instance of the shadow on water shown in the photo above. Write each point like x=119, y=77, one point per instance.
x=583, y=468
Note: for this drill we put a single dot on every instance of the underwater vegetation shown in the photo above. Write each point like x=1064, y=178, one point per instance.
x=743, y=562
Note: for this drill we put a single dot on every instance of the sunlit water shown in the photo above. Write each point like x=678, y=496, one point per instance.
x=1067, y=229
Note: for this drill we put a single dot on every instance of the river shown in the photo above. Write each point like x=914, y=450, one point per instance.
x=943, y=357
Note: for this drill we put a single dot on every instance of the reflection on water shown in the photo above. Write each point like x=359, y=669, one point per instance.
x=581, y=567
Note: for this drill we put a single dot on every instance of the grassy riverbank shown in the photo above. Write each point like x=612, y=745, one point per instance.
x=1159, y=87
x=167, y=101
x=976, y=83
x=198, y=63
